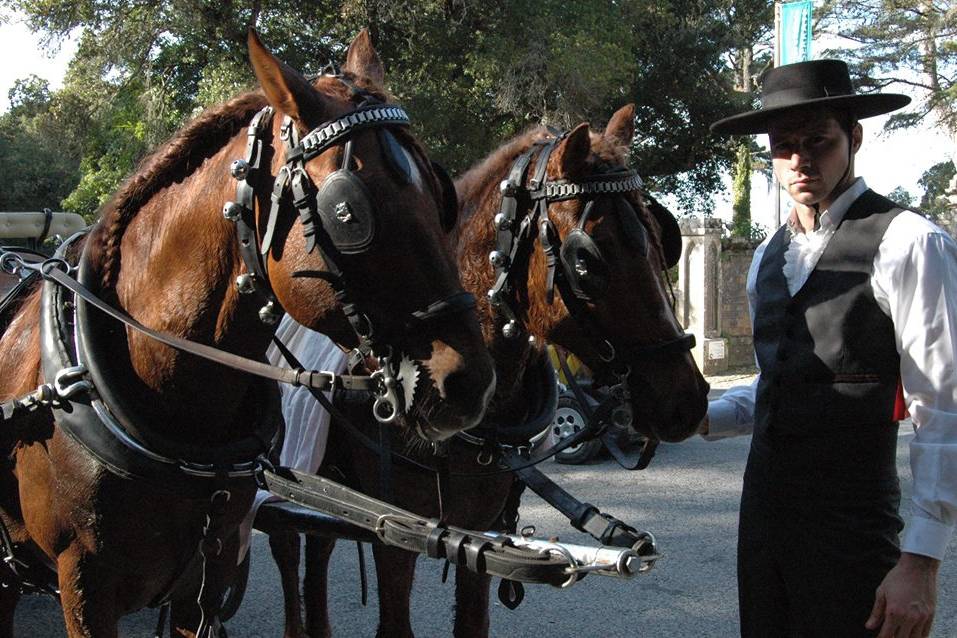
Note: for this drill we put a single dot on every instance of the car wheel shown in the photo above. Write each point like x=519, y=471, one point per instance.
x=568, y=420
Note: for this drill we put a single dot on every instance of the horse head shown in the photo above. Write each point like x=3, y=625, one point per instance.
x=362, y=234
x=597, y=249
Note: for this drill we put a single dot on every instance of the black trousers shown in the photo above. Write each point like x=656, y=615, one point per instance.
x=812, y=549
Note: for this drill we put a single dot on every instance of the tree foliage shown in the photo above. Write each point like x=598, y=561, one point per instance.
x=470, y=73
x=900, y=44
x=935, y=181
x=741, y=192
x=37, y=172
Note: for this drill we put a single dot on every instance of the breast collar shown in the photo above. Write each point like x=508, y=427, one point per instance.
x=108, y=427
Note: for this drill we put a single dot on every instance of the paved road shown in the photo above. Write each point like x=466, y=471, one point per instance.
x=688, y=498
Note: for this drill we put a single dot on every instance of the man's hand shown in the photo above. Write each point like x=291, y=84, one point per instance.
x=906, y=599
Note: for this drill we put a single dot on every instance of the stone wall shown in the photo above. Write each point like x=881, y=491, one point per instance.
x=735, y=314
x=712, y=300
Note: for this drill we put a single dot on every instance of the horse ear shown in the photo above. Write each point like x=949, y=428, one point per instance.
x=286, y=90
x=363, y=61
x=570, y=154
x=621, y=126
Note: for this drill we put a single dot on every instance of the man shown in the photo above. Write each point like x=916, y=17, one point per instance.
x=851, y=298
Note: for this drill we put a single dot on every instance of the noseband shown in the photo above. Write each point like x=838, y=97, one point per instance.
x=339, y=217
x=575, y=265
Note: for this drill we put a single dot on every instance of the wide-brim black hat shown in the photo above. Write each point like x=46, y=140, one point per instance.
x=818, y=83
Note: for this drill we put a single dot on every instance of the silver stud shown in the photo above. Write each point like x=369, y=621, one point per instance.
x=343, y=212
x=268, y=314
x=245, y=284
x=510, y=329
x=502, y=221
x=506, y=188
x=239, y=169
x=498, y=259
x=232, y=211
x=494, y=298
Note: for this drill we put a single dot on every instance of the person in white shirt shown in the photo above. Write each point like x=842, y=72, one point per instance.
x=854, y=309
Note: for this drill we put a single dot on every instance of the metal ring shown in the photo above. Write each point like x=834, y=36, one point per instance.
x=384, y=417
x=11, y=263
x=485, y=463
x=54, y=262
x=611, y=348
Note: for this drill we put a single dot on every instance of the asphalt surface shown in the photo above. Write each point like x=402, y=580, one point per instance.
x=688, y=498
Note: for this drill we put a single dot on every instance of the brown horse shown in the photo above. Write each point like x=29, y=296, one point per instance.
x=668, y=391
x=163, y=252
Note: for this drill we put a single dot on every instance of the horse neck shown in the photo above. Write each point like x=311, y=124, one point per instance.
x=475, y=239
x=179, y=261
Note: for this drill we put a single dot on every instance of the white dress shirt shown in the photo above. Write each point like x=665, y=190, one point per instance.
x=307, y=422
x=915, y=284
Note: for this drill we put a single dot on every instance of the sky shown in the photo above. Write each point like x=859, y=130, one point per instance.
x=886, y=160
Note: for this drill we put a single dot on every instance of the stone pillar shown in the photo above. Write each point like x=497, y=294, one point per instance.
x=699, y=309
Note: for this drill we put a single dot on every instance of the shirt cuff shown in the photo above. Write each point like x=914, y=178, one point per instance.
x=722, y=420
x=926, y=537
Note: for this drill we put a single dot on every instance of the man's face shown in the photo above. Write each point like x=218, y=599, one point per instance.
x=809, y=151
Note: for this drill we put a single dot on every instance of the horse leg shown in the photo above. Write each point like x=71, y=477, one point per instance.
x=471, y=604
x=9, y=596
x=395, y=570
x=86, y=595
x=285, y=551
x=316, y=586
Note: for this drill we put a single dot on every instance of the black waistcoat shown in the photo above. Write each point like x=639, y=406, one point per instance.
x=828, y=358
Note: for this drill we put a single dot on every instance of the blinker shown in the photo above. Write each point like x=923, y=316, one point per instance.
x=346, y=212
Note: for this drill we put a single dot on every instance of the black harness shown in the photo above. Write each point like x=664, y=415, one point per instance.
x=338, y=218
x=575, y=266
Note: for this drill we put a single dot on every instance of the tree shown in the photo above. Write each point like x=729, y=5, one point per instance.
x=37, y=173
x=935, y=181
x=741, y=191
x=470, y=73
x=901, y=196
x=901, y=44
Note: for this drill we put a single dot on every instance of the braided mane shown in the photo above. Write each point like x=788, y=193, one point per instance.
x=198, y=140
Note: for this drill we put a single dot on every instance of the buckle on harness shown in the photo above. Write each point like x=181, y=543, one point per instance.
x=70, y=382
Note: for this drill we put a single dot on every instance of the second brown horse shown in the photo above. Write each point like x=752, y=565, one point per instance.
x=668, y=392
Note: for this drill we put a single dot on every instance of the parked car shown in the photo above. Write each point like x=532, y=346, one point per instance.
x=570, y=416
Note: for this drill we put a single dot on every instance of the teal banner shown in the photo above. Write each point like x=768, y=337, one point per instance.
x=795, y=36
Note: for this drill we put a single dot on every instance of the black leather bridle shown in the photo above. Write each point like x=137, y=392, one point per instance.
x=338, y=217
x=524, y=209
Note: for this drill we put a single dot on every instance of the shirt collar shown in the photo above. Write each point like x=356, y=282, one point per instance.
x=830, y=218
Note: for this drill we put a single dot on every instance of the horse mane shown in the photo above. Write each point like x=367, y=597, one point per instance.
x=198, y=140
x=496, y=163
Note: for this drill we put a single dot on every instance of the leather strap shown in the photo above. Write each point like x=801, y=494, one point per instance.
x=310, y=378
